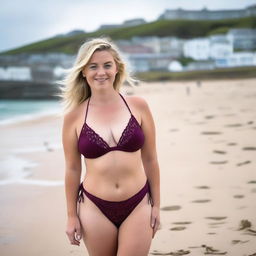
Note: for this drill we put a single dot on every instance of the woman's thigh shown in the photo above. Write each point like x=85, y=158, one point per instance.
x=99, y=234
x=135, y=233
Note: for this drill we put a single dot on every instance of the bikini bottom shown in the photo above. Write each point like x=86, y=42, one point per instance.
x=116, y=211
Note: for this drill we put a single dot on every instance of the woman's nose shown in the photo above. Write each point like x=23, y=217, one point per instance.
x=101, y=71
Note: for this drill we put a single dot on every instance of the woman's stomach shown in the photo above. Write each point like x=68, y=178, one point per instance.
x=115, y=176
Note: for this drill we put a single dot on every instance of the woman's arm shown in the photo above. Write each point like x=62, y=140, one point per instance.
x=150, y=162
x=72, y=176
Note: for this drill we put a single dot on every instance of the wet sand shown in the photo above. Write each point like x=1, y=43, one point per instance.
x=206, y=141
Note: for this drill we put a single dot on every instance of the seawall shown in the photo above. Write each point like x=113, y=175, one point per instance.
x=28, y=90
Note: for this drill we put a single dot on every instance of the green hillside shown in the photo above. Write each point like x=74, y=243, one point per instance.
x=179, y=28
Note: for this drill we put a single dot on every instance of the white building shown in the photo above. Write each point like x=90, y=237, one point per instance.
x=243, y=38
x=171, y=45
x=15, y=73
x=148, y=61
x=220, y=47
x=198, y=48
x=150, y=41
x=237, y=59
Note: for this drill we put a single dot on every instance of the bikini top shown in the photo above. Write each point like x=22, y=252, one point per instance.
x=92, y=145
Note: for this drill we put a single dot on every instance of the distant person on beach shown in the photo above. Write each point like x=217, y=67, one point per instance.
x=116, y=207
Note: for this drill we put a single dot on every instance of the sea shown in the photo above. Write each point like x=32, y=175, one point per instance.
x=13, y=111
x=14, y=167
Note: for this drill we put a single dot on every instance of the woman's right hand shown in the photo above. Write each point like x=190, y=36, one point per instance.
x=73, y=230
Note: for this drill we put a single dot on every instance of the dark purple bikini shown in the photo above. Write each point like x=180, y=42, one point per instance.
x=92, y=145
x=116, y=212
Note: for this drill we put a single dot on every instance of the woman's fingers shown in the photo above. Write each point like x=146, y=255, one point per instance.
x=153, y=221
x=78, y=234
x=74, y=231
x=73, y=237
x=156, y=227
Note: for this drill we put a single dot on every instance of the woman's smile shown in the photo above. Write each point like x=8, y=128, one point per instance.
x=101, y=69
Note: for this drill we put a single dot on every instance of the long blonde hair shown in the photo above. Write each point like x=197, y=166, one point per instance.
x=75, y=89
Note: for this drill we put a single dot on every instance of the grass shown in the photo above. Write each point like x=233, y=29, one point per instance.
x=178, y=28
x=224, y=73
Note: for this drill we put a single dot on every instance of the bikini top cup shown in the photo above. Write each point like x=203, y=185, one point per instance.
x=92, y=145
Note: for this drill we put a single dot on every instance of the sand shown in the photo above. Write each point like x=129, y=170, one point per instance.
x=206, y=142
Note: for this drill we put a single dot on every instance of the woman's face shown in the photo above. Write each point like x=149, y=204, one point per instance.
x=100, y=72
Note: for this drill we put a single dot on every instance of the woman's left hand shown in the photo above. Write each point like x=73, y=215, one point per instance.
x=155, y=219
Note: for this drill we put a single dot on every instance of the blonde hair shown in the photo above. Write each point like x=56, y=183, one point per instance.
x=75, y=89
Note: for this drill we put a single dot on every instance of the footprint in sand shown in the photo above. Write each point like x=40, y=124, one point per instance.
x=246, y=226
x=219, y=162
x=216, y=224
x=239, y=241
x=182, y=222
x=174, y=130
x=175, y=253
x=201, y=201
x=250, y=122
x=209, y=117
x=238, y=196
x=212, y=251
x=232, y=144
x=243, y=163
x=249, y=148
x=203, y=187
x=233, y=125
x=178, y=228
x=211, y=133
x=211, y=233
x=216, y=218
x=252, y=182
x=171, y=208
x=219, y=152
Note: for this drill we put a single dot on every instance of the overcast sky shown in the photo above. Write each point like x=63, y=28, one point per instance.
x=27, y=21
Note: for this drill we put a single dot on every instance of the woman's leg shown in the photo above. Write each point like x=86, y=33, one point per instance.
x=135, y=233
x=99, y=234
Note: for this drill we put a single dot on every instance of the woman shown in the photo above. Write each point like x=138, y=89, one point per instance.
x=116, y=207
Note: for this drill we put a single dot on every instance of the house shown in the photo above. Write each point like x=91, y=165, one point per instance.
x=171, y=45
x=242, y=38
x=200, y=65
x=150, y=41
x=220, y=47
x=133, y=22
x=15, y=73
x=197, y=48
x=142, y=62
x=206, y=14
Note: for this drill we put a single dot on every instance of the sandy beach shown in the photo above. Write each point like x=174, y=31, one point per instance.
x=206, y=142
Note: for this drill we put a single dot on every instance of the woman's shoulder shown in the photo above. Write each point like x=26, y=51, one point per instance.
x=75, y=113
x=138, y=102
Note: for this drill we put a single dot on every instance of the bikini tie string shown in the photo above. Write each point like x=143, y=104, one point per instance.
x=81, y=193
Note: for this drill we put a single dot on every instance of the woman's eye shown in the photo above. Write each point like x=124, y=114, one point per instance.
x=108, y=66
x=92, y=67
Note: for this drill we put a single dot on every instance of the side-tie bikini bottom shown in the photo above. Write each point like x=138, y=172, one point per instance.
x=118, y=211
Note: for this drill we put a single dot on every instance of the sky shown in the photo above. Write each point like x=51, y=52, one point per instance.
x=27, y=21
